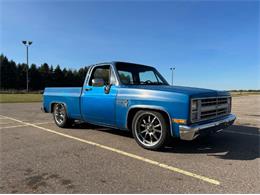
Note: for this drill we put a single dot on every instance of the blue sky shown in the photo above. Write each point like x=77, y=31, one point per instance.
x=212, y=44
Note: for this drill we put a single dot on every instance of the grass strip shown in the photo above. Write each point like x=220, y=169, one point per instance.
x=14, y=98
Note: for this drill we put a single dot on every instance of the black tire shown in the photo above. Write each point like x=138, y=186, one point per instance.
x=60, y=116
x=150, y=133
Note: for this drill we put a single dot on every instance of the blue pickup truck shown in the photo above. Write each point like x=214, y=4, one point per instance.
x=137, y=98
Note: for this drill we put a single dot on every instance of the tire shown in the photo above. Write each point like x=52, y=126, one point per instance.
x=150, y=129
x=60, y=116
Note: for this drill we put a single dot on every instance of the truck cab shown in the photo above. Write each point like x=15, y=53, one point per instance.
x=136, y=98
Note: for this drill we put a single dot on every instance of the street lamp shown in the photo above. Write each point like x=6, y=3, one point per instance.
x=27, y=44
x=172, y=69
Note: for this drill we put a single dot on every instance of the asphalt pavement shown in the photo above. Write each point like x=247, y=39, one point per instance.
x=38, y=157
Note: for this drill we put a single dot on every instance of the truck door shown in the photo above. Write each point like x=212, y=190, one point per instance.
x=98, y=100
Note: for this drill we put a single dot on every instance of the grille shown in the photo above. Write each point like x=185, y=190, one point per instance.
x=210, y=108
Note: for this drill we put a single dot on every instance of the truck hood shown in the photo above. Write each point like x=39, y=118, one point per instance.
x=189, y=91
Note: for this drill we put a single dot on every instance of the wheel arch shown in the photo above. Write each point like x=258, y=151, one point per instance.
x=134, y=109
x=57, y=102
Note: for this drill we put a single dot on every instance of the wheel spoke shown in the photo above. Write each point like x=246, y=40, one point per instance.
x=145, y=141
x=144, y=131
x=149, y=119
x=144, y=121
x=158, y=125
x=151, y=138
x=157, y=130
x=153, y=120
x=156, y=138
x=145, y=135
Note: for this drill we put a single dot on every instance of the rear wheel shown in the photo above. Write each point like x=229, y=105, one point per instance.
x=60, y=116
x=150, y=129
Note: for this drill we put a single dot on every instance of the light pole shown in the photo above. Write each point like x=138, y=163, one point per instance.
x=172, y=69
x=27, y=44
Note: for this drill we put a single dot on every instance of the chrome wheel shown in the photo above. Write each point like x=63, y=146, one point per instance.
x=60, y=113
x=148, y=129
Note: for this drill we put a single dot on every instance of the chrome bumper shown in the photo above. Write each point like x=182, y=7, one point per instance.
x=191, y=132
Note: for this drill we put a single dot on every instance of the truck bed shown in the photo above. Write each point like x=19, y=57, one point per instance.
x=69, y=95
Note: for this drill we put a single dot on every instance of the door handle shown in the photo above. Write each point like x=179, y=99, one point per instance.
x=88, y=89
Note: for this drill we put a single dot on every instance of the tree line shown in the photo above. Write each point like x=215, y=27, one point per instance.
x=13, y=76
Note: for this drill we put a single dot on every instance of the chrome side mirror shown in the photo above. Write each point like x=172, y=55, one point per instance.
x=98, y=82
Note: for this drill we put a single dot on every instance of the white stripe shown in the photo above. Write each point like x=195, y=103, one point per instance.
x=6, y=123
x=134, y=156
x=9, y=127
x=42, y=123
x=13, y=126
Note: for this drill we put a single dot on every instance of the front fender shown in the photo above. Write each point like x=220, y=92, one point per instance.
x=175, y=105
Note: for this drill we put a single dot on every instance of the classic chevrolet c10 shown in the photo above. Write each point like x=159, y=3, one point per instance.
x=137, y=98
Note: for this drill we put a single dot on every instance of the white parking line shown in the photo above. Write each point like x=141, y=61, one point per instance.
x=10, y=127
x=42, y=123
x=134, y=156
x=242, y=133
x=15, y=126
x=5, y=121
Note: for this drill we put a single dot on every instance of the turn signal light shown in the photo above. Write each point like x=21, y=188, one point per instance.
x=179, y=121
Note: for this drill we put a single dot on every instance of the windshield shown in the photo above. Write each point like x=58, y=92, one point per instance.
x=134, y=74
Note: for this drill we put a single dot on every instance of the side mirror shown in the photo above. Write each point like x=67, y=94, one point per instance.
x=98, y=82
x=107, y=88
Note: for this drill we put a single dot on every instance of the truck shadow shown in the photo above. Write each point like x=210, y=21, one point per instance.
x=234, y=143
x=237, y=142
x=86, y=126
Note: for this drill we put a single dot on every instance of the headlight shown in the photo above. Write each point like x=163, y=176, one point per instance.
x=194, y=110
x=194, y=105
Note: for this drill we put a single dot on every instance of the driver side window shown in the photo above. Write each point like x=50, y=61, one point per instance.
x=103, y=72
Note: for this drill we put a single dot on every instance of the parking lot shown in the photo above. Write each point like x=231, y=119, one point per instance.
x=38, y=157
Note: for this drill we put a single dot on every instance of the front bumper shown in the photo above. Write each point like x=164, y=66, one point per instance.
x=193, y=131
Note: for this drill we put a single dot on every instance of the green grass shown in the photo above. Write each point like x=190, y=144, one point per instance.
x=234, y=94
x=13, y=98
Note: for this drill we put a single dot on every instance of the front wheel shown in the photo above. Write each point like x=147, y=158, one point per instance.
x=60, y=116
x=150, y=129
